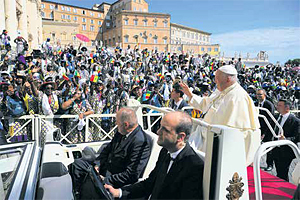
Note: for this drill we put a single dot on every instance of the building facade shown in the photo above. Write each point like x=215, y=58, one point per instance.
x=192, y=41
x=22, y=18
x=128, y=22
x=123, y=23
x=61, y=23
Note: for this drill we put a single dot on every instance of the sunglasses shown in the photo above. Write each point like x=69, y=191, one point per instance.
x=49, y=88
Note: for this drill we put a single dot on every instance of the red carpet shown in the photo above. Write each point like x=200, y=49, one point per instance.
x=272, y=186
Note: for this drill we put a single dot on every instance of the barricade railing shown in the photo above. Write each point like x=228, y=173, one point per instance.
x=19, y=127
x=262, y=150
x=268, y=123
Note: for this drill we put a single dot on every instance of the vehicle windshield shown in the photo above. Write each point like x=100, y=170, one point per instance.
x=9, y=161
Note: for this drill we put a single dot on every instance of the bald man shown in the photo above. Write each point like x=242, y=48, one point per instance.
x=123, y=160
x=229, y=105
x=178, y=173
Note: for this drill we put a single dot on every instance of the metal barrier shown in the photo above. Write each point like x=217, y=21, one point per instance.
x=262, y=150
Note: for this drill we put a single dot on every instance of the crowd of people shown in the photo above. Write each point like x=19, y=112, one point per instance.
x=67, y=80
x=56, y=80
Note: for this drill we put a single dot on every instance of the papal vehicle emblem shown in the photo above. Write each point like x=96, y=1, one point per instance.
x=235, y=187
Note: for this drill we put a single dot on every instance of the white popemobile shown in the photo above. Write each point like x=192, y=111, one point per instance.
x=30, y=170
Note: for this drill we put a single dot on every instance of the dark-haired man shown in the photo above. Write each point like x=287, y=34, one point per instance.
x=284, y=155
x=178, y=172
x=265, y=131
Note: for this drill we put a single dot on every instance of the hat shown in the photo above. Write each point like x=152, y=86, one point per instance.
x=228, y=69
x=134, y=87
x=42, y=87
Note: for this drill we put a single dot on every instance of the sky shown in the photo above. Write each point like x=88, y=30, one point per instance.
x=239, y=26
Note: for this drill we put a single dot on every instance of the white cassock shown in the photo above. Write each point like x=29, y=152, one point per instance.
x=234, y=108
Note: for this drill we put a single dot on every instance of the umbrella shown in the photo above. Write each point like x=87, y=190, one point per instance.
x=82, y=38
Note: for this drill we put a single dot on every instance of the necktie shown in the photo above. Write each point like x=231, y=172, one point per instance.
x=161, y=175
x=276, y=129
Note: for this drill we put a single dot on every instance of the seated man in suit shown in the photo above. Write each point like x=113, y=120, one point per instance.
x=284, y=155
x=178, y=172
x=123, y=160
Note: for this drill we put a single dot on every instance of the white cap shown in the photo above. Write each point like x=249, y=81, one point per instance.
x=228, y=69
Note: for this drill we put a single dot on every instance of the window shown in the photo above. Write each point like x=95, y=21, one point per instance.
x=165, y=24
x=126, y=39
x=51, y=7
x=83, y=12
x=165, y=41
x=209, y=49
x=126, y=21
x=135, y=22
x=192, y=35
x=69, y=17
x=92, y=28
x=155, y=24
x=196, y=36
x=83, y=27
x=74, y=10
x=51, y=15
x=68, y=9
x=43, y=14
x=140, y=9
x=92, y=14
x=99, y=14
x=216, y=49
x=75, y=19
x=63, y=16
x=62, y=8
x=92, y=21
x=155, y=40
x=183, y=34
x=134, y=8
x=42, y=5
x=83, y=20
x=107, y=24
x=188, y=35
x=100, y=29
x=99, y=23
x=145, y=23
x=145, y=40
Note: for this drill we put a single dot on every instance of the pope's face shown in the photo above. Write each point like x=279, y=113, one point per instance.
x=218, y=80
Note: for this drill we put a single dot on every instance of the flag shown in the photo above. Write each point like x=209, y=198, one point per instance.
x=65, y=77
x=112, y=61
x=148, y=94
x=94, y=78
x=77, y=74
x=59, y=52
x=211, y=66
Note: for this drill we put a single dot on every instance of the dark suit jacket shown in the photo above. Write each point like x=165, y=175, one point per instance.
x=181, y=105
x=184, y=180
x=263, y=126
x=291, y=129
x=127, y=160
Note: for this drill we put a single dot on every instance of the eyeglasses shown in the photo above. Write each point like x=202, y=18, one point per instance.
x=49, y=88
